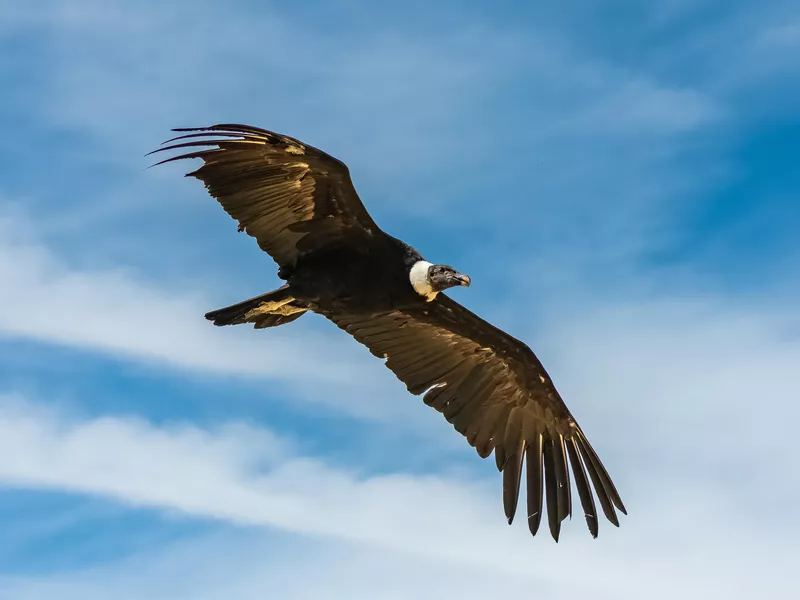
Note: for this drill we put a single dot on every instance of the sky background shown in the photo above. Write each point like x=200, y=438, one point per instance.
x=620, y=181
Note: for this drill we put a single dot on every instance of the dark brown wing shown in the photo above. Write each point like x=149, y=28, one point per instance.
x=496, y=393
x=288, y=195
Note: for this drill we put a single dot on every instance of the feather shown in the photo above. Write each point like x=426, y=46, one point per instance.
x=550, y=489
x=562, y=479
x=599, y=488
x=231, y=134
x=438, y=397
x=602, y=473
x=486, y=436
x=451, y=371
x=533, y=458
x=197, y=154
x=271, y=183
x=514, y=445
x=584, y=492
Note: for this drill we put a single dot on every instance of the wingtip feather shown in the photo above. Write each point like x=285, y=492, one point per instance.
x=533, y=475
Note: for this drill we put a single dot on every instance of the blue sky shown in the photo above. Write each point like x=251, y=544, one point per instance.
x=621, y=183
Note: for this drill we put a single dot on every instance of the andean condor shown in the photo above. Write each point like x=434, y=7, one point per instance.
x=301, y=207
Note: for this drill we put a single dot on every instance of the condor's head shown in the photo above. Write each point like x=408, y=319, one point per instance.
x=428, y=279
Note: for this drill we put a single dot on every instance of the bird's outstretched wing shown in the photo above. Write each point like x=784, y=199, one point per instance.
x=495, y=392
x=291, y=197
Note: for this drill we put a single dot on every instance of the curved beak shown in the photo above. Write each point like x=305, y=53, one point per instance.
x=463, y=279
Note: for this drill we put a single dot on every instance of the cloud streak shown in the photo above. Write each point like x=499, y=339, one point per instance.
x=112, y=311
x=247, y=476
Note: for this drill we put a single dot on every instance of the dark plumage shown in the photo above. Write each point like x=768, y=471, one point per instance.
x=301, y=207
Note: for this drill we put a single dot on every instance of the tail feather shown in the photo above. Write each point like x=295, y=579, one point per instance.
x=275, y=320
x=267, y=310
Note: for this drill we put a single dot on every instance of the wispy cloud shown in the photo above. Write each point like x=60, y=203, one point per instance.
x=246, y=476
x=782, y=37
x=240, y=475
x=247, y=566
x=119, y=313
x=642, y=109
x=112, y=311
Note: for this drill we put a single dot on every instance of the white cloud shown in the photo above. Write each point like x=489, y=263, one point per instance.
x=235, y=473
x=681, y=383
x=640, y=108
x=117, y=313
x=248, y=567
x=43, y=299
x=684, y=532
x=785, y=36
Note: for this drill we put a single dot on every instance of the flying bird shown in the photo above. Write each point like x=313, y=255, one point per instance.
x=301, y=207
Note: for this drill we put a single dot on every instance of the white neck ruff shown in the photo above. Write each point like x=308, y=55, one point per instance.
x=419, y=280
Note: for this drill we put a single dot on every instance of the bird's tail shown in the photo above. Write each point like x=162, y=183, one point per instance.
x=267, y=310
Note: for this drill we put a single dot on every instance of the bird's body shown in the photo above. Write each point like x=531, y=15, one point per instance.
x=300, y=205
x=372, y=276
